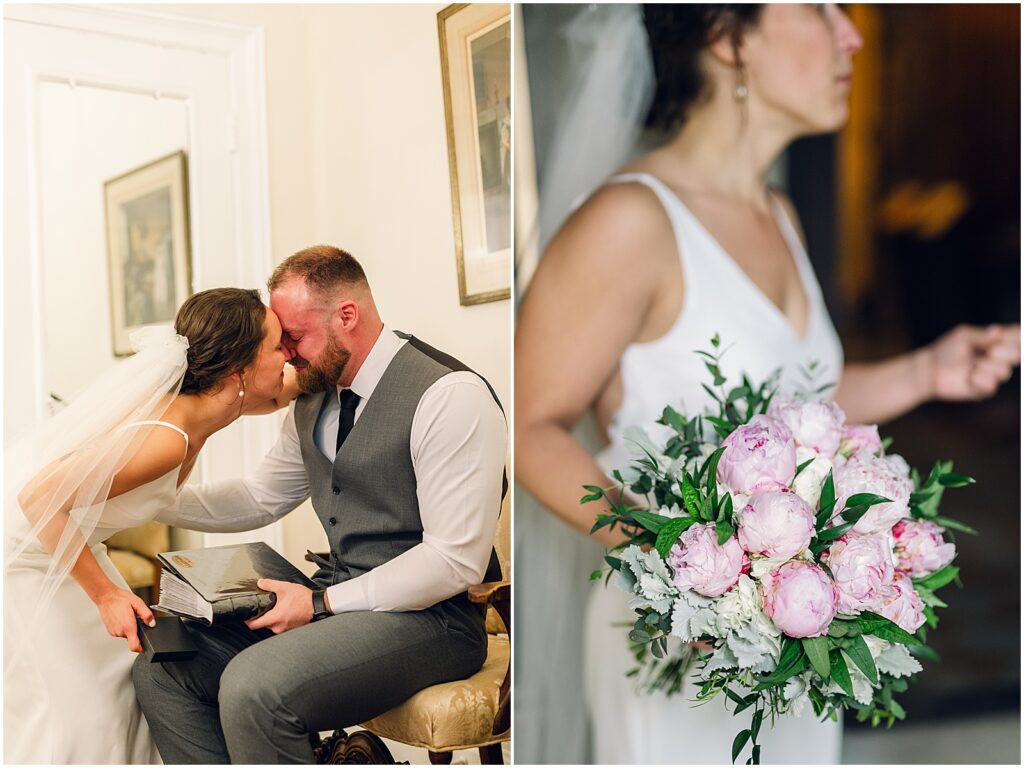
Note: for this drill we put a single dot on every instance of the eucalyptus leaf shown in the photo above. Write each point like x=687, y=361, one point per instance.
x=816, y=649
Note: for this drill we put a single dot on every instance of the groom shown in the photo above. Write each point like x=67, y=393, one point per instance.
x=402, y=450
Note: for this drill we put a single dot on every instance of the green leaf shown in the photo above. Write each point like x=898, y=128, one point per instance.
x=816, y=649
x=828, y=493
x=596, y=575
x=801, y=467
x=955, y=480
x=713, y=469
x=649, y=520
x=841, y=673
x=897, y=709
x=939, y=578
x=739, y=743
x=614, y=562
x=670, y=417
x=879, y=626
x=755, y=725
x=860, y=654
x=830, y=534
x=596, y=492
x=670, y=533
x=867, y=499
x=691, y=498
x=725, y=530
x=955, y=525
x=925, y=652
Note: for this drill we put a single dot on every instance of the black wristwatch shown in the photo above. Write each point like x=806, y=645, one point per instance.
x=320, y=605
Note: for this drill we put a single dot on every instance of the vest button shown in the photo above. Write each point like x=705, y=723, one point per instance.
x=333, y=521
x=335, y=490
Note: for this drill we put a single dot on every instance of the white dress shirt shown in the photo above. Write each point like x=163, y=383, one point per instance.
x=458, y=444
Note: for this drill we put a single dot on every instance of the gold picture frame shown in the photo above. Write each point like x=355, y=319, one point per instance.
x=476, y=73
x=149, y=260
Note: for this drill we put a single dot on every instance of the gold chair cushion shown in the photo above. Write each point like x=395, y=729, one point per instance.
x=137, y=570
x=451, y=716
x=149, y=539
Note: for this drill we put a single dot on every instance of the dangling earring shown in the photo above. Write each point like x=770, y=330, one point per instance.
x=740, y=93
x=241, y=388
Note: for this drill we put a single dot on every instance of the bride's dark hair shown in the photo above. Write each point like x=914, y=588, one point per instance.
x=678, y=35
x=224, y=328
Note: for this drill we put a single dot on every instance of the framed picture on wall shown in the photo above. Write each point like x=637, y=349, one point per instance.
x=148, y=251
x=476, y=72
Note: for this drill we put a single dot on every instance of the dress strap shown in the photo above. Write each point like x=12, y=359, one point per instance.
x=177, y=429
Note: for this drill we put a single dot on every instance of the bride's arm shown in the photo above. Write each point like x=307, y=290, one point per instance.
x=160, y=453
x=588, y=301
x=968, y=363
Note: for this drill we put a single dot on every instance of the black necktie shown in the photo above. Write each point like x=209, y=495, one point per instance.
x=349, y=400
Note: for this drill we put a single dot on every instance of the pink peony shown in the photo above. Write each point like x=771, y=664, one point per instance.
x=756, y=454
x=800, y=598
x=777, y=524
x=817, y=424
x=700, y=564
x=869, y=474
x=900, y=603
x=861, y=565
x=920, y=548
x=860, y=438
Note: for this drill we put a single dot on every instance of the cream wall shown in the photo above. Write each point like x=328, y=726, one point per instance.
x=358, y=159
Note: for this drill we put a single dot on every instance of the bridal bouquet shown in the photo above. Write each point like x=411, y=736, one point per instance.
x=784, y=547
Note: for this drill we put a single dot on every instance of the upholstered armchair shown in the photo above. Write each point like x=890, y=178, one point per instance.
x=475, y=713
x=133, y=552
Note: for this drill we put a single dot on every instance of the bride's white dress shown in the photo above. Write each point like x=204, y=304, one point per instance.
x=68, y=696
x=628, y=726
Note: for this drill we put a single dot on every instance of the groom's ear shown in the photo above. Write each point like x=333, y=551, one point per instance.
x=346, y=313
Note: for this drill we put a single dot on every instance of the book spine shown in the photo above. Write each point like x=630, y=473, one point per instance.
x=242, y=608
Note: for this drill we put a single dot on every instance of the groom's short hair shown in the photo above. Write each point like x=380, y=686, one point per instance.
x=323, y=268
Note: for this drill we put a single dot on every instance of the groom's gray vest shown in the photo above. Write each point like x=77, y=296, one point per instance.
x=366, y=499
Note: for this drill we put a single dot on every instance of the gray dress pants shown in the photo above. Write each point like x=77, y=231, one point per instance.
x=254, y=697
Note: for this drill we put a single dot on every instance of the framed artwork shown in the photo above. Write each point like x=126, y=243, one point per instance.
x=476, y=72
x=148, y=246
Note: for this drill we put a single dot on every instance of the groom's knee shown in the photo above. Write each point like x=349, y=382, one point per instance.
x=249, y=692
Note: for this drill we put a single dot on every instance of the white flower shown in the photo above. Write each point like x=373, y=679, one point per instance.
x=751, y=637
x=807, y=485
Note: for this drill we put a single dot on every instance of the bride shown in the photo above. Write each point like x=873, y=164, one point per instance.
x=115, y=458
x=684, y=242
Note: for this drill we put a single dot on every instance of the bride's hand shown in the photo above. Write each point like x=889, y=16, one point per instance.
x=969, y=363
x=118, y=609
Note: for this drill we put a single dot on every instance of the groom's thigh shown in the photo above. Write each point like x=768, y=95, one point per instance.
x=348, y=668
x=218, y=645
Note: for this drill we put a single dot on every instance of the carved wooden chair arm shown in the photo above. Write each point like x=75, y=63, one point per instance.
x=499, y=595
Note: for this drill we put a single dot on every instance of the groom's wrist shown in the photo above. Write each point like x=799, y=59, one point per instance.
x=321, y=604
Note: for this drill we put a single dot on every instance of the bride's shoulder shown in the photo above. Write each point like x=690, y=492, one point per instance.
x=161, y=451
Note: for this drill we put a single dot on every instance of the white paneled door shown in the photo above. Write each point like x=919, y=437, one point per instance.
x=90, y=93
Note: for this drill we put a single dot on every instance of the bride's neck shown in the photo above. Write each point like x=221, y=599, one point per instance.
x=726, y=151
x=205, y=413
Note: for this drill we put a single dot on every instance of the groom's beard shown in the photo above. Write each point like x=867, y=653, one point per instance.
x=322, y=375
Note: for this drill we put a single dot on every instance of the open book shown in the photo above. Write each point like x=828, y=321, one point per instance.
x=218, y=584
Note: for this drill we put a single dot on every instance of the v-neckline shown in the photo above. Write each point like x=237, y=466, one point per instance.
x=773, y=308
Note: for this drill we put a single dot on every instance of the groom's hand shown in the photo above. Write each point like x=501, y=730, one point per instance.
x=294, y=607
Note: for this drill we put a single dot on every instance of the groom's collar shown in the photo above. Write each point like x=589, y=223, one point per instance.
x=377, y=361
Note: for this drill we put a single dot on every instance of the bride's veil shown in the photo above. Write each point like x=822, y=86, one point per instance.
x=611, y=84
x=57, y=477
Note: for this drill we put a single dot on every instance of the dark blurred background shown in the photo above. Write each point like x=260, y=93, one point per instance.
x=912, y=216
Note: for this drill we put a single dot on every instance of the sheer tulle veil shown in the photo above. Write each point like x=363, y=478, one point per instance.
x=57, y=477
x=597, y=131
